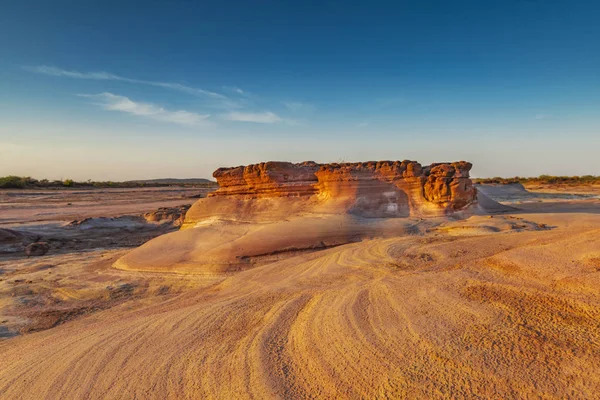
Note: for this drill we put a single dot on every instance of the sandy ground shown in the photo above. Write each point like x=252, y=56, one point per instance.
x=75, y=278
x=19, y=207
x=470, y=309
x=43, y=292
x=555, y=188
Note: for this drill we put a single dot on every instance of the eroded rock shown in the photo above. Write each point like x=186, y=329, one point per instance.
x=37, y=249
x=369, y=189
x=12, y=241
x=273, y=209
x=174, y=215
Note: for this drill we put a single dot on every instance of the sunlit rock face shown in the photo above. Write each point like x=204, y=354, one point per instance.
x=273, y=178
x=273, y=208
x=373, y=189
x=448, y=185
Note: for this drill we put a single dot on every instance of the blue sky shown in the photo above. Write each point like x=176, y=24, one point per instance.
x=125, y=90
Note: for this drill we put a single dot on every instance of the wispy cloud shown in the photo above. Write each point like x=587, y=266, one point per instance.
x=239, y=99
x=105, y=76
x=542, y=116
x=266, y=117
x=237, y=90
x=362, y=124
x=113, y=102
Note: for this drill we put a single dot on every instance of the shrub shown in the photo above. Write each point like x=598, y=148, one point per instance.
x=12, y=182
x=543, y=179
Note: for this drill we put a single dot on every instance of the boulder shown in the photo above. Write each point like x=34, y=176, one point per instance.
x=37, y=249
x=173, y=215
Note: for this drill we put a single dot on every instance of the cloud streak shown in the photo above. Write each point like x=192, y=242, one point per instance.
x=237, y=90
x=113, y=102
x=105, y=76
x=236, y=107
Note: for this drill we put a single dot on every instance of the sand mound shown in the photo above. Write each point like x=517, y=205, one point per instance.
x=517, y=193
x=232, y=246
x=486, y=205
x=483, y=225
x=500, y=190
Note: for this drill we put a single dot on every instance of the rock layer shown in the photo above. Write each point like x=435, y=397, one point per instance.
x=271, y=178
x=377, y=189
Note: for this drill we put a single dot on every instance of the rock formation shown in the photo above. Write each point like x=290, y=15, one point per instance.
x=173, y=215
x=14, y=242
x=268, y=209
x=445, y=184
x=37, y=249
x=374, y=189
x=267, y=179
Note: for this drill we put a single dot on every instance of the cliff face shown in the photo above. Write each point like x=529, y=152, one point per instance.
x=367, y=189
x=267, y=179
x=448, y=185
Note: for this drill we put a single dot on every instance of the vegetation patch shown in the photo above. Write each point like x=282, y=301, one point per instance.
x=26, y=182
x=542, y=179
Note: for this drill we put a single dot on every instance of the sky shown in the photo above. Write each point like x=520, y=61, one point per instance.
x=118, y=90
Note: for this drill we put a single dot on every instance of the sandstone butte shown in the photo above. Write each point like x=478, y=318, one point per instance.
x=265, y=209
x=369, y=189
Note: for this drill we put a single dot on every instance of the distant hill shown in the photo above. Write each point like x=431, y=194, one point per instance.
x=25, y=182
x=175, y=181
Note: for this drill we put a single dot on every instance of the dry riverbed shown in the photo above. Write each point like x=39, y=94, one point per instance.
x=86, y=230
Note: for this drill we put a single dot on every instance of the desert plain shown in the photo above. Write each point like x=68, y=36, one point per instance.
x=358, y=281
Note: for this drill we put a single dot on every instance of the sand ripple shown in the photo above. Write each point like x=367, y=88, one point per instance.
x=500, y=315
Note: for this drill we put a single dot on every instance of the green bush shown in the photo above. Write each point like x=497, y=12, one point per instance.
x=12, y=182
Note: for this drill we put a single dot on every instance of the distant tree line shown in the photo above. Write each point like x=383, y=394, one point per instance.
x=26, y=182
x=543, y=179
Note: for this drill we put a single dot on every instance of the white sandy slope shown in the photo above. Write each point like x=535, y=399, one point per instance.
x=228, y=234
